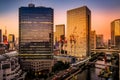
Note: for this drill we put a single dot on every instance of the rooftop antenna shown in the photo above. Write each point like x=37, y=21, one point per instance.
x=31, y=4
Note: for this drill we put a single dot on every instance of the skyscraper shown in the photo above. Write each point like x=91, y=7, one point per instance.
x=99, y=41
x=59, y=31
x=93, y=39
x=5, y=37
x=36, y=38
x=115, y=32
x=59, y=36
x=78, y=31
x=11, y=40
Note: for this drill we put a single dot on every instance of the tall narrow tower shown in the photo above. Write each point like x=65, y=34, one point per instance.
x=5, y=37
x=78, y=31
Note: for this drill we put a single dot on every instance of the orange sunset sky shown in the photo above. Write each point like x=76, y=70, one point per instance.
x=103, y=13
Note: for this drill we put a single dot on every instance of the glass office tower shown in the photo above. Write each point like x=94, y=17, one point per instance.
x=36, y=38
x=115, y=34
x=78, y=31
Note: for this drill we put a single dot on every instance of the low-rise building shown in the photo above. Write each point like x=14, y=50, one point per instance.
x=10, y=68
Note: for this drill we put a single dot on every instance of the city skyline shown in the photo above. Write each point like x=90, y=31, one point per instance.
x=36, y=38
x=103, y=13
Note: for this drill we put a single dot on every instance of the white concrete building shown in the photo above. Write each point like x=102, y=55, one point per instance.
x=10, y=68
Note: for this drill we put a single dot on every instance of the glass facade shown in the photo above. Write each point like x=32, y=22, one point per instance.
x=115, y=32
x=35, y=30
x=36, y=38
x=78, y=31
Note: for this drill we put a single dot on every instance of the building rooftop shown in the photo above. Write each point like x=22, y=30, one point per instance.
x=79, y=8
x=2, y=58
x=12, y=53
x=31, y=5
x=8, y=55
x=116, y=20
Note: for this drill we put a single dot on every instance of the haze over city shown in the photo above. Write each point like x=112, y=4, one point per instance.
x=103, y=13
x=59, y=39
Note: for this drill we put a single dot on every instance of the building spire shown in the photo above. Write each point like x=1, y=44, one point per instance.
x=5, y=31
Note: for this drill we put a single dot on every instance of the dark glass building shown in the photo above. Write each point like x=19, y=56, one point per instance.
x=115, y=33
x=36, y=38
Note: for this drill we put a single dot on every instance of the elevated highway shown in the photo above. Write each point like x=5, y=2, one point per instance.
x=105, y=50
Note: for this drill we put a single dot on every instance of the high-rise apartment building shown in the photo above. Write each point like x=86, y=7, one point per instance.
x=78, y=31
x=99, y=41
x=93, y=39
x=36, y=38
x=59, y=31
x=115, y=32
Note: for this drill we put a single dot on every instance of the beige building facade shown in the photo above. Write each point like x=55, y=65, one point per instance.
x=78, y=31
x=59, y=30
